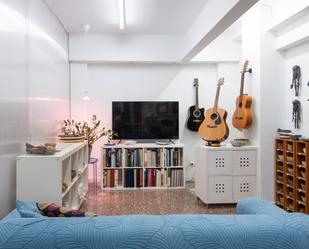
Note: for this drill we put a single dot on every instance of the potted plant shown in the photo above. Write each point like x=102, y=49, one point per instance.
x=91, y=132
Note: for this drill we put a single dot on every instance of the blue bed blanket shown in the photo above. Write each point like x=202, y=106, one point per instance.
x=161, y=232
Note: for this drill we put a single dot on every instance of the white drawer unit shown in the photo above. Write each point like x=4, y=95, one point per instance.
x=244, y=162
x=225, y=174
x=243, y=186
x=220, y=163
x=219, y=188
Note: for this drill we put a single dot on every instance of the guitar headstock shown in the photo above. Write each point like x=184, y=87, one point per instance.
x=195, y=82
x=220, y=82
x=245, y=68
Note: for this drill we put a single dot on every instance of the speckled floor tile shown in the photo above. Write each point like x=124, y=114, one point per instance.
x=180, y=201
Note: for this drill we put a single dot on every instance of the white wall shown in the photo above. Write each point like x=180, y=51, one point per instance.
x=108, y=82
x=223, y=49
x=102, y=47
x=34, y=80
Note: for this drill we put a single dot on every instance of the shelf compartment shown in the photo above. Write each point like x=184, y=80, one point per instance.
x=173, y=157
x=112, y=178
x=66, y=173
x=153, y=157
x=133, y=157
x=173, y=177
x=153, y=178
x=112, y=158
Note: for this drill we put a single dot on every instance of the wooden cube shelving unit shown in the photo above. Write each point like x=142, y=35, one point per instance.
x=291, y=174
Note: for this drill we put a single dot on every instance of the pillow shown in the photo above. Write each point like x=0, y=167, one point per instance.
x=54, y=210
x=27, y=209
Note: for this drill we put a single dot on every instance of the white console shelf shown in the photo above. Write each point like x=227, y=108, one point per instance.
x=142, y=166
x=225, y=174
x=41, y=178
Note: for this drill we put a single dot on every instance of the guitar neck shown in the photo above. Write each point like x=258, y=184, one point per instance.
x=217, y=99
x=196, y=98
x=241, y=92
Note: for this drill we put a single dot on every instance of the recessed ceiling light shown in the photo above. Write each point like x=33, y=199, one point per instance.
x=122, y=14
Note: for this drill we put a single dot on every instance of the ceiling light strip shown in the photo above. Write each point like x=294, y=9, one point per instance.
x=122, y=14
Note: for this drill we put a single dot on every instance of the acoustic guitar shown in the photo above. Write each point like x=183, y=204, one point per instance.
x=196, y=114
x=242, y=117
x=214, y=128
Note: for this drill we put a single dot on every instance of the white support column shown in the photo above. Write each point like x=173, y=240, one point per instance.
x=258, y=46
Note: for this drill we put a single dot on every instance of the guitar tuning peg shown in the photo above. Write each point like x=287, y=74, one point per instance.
x=249, y=70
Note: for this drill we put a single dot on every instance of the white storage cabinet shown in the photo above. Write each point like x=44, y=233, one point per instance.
x=39, y=178
x=225, y=174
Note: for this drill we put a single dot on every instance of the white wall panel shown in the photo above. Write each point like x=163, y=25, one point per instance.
x=34, y=79
x=48, y=72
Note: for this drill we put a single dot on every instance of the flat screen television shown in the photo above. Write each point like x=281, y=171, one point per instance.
x=146, y=120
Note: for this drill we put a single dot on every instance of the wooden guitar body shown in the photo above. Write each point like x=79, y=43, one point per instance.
x=214, y=127
x=243, y=117
x=196, y=117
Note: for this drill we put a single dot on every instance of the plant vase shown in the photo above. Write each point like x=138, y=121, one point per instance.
x=89, y=151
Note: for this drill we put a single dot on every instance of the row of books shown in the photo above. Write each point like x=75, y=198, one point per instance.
x=136, y=178
x=133, y=178
x=112, y=178
x=152, y=178
x=134, y=157
x=153, y=158
x=173, y=157
x=174, y=178
x=112, y=158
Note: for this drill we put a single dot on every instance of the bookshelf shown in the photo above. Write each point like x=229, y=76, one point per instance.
x=142, y=166
x=61, y=178
x=291, y=163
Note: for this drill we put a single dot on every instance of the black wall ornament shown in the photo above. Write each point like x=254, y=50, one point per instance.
x=296, y=79
x=296, y=113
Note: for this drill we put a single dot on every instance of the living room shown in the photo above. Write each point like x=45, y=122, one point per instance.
x=161, y=121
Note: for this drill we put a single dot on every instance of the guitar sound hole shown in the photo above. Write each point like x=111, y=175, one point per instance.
x=214, y=116
x=240, y=105
x=196, y=114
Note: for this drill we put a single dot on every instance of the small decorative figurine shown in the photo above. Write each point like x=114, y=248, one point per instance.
x=296, y=79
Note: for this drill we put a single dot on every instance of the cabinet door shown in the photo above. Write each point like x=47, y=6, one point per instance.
x=244, y=186
x=220, y=189
x=244, y=162
x=219, y=163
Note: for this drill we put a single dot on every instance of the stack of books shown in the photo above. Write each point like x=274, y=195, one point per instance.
x=284, y=134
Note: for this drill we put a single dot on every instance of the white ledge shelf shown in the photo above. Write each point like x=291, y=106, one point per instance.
x=289, y=20
x=293, y=30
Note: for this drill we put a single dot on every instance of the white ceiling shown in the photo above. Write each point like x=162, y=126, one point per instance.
x=173, y=17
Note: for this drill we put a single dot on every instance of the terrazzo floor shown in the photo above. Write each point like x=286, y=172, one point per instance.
x=156, y=202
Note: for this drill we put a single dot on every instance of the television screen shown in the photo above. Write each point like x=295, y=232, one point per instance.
x=146, y=120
